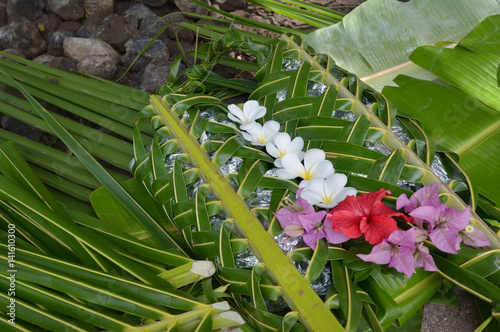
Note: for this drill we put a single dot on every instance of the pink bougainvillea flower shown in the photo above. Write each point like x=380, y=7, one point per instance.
x=445, y=224
x=365, y=214
x=397, y=251
x=427, y=195
x=332, y=236
x=300, y=218
x=472, y=236
x=424, y=259
x=288, y=215
x=315, y=229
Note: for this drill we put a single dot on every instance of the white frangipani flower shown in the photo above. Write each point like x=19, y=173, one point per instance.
x=327, y=193
x=315, y=165
x=282, y=144
x=246, y=117
x=260, y=135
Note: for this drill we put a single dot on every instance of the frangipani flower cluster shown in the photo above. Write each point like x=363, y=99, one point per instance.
x=322, y=186
x=351, y=216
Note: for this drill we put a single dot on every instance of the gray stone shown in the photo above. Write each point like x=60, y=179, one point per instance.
x=72, y=26
x=116, y=30
x=99, y=7
x=176, y=31
x=90, y=27
x=31, y=9
x=153, y=76
x=68, y=10
x=139, y=12
x=153, y=3
x=102, y=66
x=79, y=48
x=23, y=36
x=156, y=53
x=14, y=52
x=153, y=24
x=191, y=7
x=44, y=59
x=55, y=40
x=58, y=62
x=48, y=23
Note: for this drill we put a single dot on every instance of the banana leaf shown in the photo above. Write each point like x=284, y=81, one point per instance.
x=463, y=118
x=379, y=35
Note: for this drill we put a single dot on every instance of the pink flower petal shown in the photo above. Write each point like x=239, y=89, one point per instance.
x=332, y=236
x=403, y=261
x=380, y=254
x=294, y=230
x=424, y=259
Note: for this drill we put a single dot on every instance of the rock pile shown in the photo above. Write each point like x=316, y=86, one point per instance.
x=102, y=37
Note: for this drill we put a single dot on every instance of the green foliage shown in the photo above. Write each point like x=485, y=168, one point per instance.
x=371, y=42
x=133, y=264
x=469, y=105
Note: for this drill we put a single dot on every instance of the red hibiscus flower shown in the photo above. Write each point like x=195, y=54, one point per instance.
x=365, y=214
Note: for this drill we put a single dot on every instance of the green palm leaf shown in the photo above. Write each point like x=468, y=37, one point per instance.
x=178, y=184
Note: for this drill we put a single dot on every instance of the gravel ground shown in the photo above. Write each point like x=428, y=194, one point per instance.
x=440, y=318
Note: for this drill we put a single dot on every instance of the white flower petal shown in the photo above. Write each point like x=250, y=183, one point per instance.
x=322, y=169
x=248, y=126
x=301, y=155
x=343, y=193
x=250, y=105
x=278, y=163
x=256, y=113
x=313, y=157
x=255, y=129
x=310, y=196
x=339, y=197
x=233, y=118
x=295, y=145
x=272, y=126
x=272, y=149
x=316, y=185
x=282, y=173
x=248, y=137
x=335, y=183
x=328, y=206
x=236, y=112
x=281, y=141
x=292, y=164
